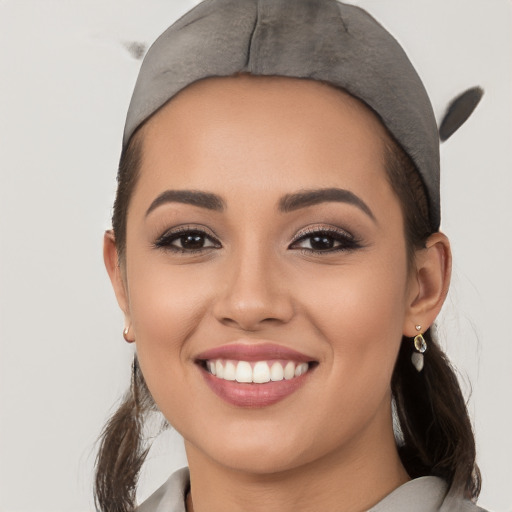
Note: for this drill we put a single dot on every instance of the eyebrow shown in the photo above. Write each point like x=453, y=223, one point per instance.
x=292, y=202
x=193, y=197
x=288, y=203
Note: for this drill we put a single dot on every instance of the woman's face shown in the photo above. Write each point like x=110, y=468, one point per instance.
x=263, y=238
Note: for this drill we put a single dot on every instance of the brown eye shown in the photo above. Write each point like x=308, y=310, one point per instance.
x=317, y=242
x=321, y=242
x=325, y=241
x=187, y=241
x=192, y=241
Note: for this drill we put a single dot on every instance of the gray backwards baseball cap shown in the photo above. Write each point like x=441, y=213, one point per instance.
x=317, y=39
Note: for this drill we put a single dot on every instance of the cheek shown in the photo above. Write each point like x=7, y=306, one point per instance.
x=167, y=301
x=360, y=315
x=166, y=307
x=360, y=311
x=365, y=289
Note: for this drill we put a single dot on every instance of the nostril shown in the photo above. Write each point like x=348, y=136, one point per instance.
x=250, y=325
x=249, y=302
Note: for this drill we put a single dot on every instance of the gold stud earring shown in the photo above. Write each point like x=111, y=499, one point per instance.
x=420, y=346
x=125, y=335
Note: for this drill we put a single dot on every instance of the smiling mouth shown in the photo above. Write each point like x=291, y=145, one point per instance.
x=255, y=384
x=255, y=372
x=252, y=374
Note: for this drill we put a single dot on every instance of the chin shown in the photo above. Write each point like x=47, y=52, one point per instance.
x=257, y=450
x=260, y=461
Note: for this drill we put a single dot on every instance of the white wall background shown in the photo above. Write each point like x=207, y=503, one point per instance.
x=66, y=77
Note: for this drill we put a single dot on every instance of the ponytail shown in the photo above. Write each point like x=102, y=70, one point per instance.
x=435, y=426
x=437, y=437
x=122, y=449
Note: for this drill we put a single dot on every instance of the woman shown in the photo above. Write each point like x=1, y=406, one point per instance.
x=275, y=251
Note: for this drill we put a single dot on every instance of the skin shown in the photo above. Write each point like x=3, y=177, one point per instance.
x=252, y=141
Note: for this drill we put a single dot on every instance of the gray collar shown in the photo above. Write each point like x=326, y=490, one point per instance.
x=425, y=494
x=171, y=496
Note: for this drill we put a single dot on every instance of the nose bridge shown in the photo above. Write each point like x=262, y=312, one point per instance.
x=254, y=292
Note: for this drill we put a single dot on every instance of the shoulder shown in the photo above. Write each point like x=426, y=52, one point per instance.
x=425, y=494
x=456, y=504
x=170, y=497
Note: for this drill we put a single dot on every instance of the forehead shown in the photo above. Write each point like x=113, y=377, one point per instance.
x=247, y=121
x=218, y=95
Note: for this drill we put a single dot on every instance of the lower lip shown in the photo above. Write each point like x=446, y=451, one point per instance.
x=250, y=395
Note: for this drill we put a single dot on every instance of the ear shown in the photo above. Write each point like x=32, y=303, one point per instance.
x=111, y=259
x=429, y=284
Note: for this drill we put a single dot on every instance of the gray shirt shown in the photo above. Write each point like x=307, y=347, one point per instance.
x=425, y=494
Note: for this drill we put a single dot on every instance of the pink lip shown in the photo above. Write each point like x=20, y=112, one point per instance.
x=254, y=352
x=253, y=395
x=250, y=395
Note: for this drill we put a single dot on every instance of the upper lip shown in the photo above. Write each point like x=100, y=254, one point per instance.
x=251, y=351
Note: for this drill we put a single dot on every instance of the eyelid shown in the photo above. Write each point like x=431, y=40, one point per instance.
x=344, y=241
x=322, y=228
x=185, y=228
x=176, y=231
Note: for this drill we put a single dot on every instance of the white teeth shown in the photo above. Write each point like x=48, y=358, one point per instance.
x=289, y=371
x=276, y=372
x=258, y=372
x=230, y=371
x=219, y=369
x=243, y=372
x=261, y=372
x=301, y=368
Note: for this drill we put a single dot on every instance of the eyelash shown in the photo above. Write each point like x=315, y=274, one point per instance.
x=166, y=240
x=346, y=242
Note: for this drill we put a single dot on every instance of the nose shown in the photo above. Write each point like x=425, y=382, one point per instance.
x=253, y=294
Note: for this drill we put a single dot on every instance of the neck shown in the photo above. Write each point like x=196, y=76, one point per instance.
x=350, y=479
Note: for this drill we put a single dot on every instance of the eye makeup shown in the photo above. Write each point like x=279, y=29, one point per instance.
x=321, y=239
x=317, y=239
x=187, y=239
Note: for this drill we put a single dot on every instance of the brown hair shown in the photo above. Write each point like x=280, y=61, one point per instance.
x=435, y=435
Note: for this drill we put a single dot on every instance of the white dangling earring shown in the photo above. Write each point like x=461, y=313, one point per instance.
x=420, y=346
